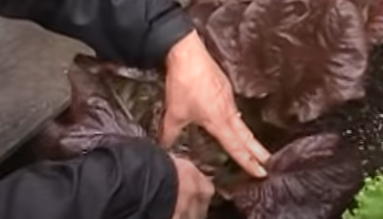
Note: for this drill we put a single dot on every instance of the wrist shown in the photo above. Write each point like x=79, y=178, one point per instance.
x=187, y=51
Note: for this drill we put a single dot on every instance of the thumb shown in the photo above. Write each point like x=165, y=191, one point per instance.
x=171, y=127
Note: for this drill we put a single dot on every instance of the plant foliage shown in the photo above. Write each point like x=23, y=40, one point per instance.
x=369, y=200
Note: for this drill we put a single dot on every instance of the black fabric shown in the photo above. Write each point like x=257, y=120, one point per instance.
x=123, y=179
x=136, y=32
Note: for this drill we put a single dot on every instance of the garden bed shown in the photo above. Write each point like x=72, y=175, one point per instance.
x=360, y=123
x=314, y=101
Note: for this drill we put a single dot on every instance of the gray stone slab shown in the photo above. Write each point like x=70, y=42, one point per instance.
x=33, y=85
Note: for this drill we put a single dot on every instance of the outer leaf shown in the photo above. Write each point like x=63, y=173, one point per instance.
x=372, y=13
x=306, y=56
x=314, y=177
x=375, y=22
x=223, y=32
x=94, y=113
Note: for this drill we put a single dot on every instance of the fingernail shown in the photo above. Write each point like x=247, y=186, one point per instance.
x=261, y=172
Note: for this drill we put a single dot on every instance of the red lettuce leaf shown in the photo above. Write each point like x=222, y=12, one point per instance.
x=94, y=113
x=372, y=14
x=314, y=177
x=303, y=56
x=375, y=22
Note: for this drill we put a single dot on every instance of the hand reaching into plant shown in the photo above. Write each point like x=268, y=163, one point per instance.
x=198, y=91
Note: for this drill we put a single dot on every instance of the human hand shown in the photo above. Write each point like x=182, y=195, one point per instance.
x=194, y=191
x=198, y=91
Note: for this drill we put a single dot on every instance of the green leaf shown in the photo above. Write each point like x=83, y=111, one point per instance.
x=369, y=200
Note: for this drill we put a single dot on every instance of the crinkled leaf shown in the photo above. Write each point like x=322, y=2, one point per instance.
x=372, y=13
x=314, y=177
x=375, y=22
x=94, y=112
x=304, y=56
x=223, y=33
x=200, y=12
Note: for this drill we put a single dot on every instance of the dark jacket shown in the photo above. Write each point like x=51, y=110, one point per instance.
x=131, y=179
x=137, y=32
x=123, y=179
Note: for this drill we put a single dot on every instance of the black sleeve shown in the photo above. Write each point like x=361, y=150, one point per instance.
x=130, y=180
x=136, y=32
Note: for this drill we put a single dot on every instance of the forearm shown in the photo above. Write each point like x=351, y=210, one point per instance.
x=133, y=179
x=137, y=32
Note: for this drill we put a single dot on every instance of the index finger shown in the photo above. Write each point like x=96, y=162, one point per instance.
x=250, y=142
x=239, y=142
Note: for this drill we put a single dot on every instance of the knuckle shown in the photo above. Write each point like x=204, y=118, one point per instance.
x=185, y=165
x=209, y=191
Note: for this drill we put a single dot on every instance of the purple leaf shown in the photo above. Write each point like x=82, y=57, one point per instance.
x=314, y=177
x=94, y=113
x=375, y=22
x=302, y=56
